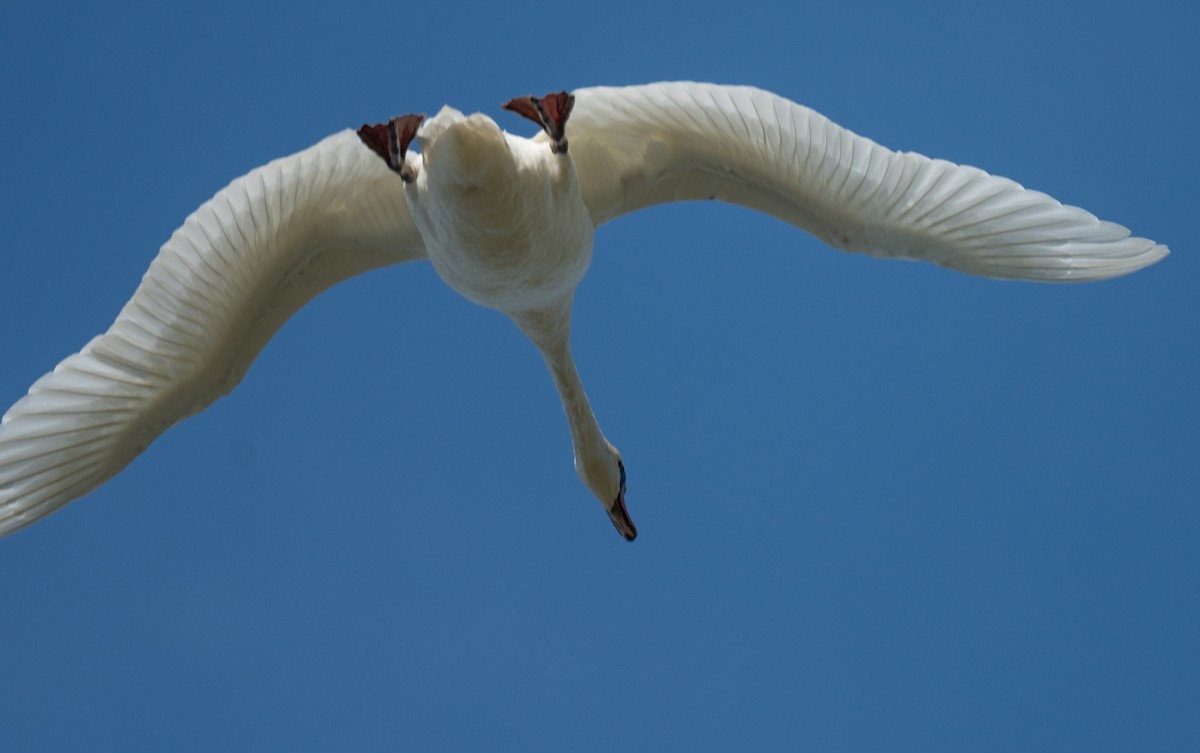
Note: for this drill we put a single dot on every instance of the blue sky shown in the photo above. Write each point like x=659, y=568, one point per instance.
x=882, y=506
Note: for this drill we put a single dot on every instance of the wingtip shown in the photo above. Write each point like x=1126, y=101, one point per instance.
x=1148, y=255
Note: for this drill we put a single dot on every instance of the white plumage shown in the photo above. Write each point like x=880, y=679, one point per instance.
x=508, y=223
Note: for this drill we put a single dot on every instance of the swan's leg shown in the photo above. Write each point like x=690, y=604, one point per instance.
x=391, y=141
x=550, y=112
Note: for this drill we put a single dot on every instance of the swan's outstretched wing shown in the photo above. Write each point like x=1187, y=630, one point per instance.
x=642, y=145
x=239, y=266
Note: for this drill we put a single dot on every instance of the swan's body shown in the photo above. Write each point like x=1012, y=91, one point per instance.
x=507, y=222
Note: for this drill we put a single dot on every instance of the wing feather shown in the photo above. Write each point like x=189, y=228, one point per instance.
x=226, y=280
x=643, y=145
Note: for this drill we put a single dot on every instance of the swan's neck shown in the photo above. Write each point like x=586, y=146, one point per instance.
x=549, y=329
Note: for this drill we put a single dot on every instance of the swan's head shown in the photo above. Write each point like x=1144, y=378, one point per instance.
x=604, y=474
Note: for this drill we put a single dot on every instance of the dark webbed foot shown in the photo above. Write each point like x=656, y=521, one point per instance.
x=550, y=112
x=390, y=141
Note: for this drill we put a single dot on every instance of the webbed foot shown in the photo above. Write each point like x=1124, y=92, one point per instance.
x=550, y=112
x=390, y=141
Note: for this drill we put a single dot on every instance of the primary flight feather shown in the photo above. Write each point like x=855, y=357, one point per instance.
x=508, y=222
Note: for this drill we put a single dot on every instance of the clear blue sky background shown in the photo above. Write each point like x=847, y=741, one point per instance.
x=883, y=506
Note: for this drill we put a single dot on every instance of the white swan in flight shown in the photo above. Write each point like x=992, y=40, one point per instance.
x=508, y=222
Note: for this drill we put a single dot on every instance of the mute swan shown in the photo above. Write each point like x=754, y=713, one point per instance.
x=508, y=222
